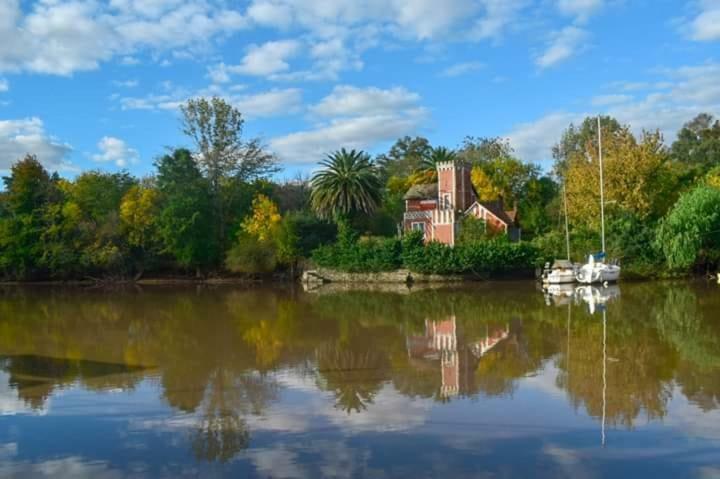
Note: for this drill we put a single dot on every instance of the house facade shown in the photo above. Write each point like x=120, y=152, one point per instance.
x=438, y=209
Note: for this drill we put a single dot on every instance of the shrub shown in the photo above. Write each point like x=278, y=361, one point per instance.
x=364, y=256
x=251, y=256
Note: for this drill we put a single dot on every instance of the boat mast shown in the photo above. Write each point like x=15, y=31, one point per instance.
x=602, y=187
x=567, y=228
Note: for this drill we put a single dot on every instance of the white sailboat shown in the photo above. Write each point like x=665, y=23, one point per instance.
x=562, y=271
x=596, y=270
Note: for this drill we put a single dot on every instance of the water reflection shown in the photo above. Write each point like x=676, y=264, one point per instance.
x=224, y=374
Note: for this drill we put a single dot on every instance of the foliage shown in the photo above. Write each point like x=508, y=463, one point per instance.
x=251, y=256
x=691, y=230
x=476, y=257
x=404, y=158
x=348, y=184
x=473, y=229
x=264, y=219
x=637, y=177
x=697, y=146
x=185, y=222
x=360, y=256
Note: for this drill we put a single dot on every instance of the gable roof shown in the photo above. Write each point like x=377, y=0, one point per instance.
x=496, y=209
x=427, y=191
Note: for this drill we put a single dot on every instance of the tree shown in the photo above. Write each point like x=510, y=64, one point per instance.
x=691, y=230
x=216, y=127
x=575, y=140
x=483, y=184
x=638, y=177
x=427, y=171
x=348, y=184
x=186, y=214
x=138, y=215
x=29, y=193
x=478, y=151
x=404, y=157
x=264, y=219
x=698, y=144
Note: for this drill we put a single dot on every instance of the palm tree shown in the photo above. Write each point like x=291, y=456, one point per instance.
x=437, y=155
x=427, y=172
x=349, y=183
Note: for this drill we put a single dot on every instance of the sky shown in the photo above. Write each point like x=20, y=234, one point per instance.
x=91, y=84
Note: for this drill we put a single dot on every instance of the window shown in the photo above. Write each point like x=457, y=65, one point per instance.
x=445, y=201
x=418, y=226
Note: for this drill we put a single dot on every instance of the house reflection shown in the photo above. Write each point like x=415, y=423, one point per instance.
x=457, y=356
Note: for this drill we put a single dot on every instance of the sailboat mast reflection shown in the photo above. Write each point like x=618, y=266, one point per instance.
x=597, y=299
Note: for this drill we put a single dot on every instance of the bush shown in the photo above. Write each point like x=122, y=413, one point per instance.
x=479, y=257
x=251, y=256
x=363, y=256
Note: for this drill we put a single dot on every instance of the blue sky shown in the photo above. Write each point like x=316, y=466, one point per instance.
x=95, y=84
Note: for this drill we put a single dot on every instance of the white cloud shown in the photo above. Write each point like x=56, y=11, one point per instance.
x=266, y=59
x=533, y=140
x=347, y=100
x=665, y=105
x=612, y=99
x=461, y=69
x=27, y=136
x=706, y=26
x=563, y=45
x=62, y=38
x=4, y=85
x=126, y=83
x=256, y=105
x=580, y=9
x=499, y=15
x=358, y=118
x=114, y=150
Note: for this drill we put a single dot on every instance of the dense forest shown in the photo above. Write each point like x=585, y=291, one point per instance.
x=215, y=209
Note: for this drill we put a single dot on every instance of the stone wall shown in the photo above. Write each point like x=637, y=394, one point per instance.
x=398, y=276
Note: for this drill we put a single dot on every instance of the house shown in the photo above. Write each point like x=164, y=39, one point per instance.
x=438, y=209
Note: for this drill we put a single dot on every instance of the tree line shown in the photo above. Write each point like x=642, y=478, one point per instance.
x=215, y=209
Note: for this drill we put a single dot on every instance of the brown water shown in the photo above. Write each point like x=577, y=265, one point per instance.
x=487, y=380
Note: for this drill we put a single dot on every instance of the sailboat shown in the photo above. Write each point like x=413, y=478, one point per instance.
x=562, y=271
x=596, y=270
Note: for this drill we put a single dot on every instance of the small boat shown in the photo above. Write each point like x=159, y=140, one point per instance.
x=598, y=271
x=561, y=272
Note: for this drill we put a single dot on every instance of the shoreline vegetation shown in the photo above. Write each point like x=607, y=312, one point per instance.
x=213, y=213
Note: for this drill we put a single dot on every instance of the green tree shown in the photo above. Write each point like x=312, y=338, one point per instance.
x=348, y=184
x=691, y=230
x=223, y=155
x=186, y=214
x=576, y=138
x=29, y=193
x=404, y=158
x=697, y=146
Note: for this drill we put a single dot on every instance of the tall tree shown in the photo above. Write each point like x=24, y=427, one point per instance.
x=697, y=146
x=347, y=184
x=186, y=214
x=637, y=177
x=405, y=157
x=29, y=192
x=576, y=139
x=216, y=127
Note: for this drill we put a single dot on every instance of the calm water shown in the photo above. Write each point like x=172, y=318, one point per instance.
x=489, y=380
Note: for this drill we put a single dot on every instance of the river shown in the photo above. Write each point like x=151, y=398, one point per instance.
x=479, y=380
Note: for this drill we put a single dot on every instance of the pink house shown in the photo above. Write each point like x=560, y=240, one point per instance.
x=438, y=209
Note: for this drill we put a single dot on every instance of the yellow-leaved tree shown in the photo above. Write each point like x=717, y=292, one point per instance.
x=638, y=177
x=138, y=210
x=484, y=186
x=264, y=220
